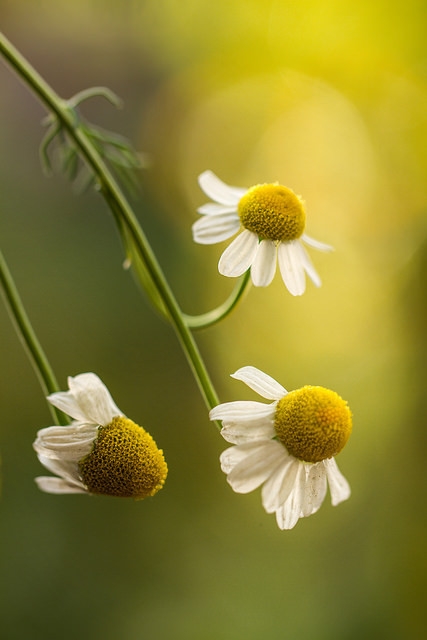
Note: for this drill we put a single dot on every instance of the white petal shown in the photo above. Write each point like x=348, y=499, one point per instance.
x=72, y=433
x=264, y=265
x=291, y=267
x=308, y=266
x=238, y=257
x=315, y=244
x=65, y=469
x=251, y=472
x=288, y=515
x=232, y=456
x=214, y=209
x=50, y=484
x=66, y=402
x=72, y=442
x=88, y=400
x=213, y=229
x=251, y=430
x=218, y=190
x=338, y=485
x=64, y=452
x=315, y=488
x=238, y=433
x=278, y=487
x=260, y=382
x=242, y=411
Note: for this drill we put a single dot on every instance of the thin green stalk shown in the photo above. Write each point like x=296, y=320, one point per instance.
x=116, y=199
x=29, y=338
x=215, y=315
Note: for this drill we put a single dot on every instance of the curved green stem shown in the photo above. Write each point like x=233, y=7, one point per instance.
x=215, y=315
x=113, y=194
x=93, y=92
x=29, y=338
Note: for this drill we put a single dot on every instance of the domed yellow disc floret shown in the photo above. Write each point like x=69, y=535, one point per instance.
x=272, y=212
x=313, y=423
x=124, y=462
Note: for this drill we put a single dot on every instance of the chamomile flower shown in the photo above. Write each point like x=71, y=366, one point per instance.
x=102, y=451
x=287, y=446
x=271, y=222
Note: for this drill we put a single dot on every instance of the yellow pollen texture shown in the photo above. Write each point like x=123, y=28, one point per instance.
x=124, y=462
x=313, y=423
x=273, y=212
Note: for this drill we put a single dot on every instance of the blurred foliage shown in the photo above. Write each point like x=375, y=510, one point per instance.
x=329, y=98
x=115, y=150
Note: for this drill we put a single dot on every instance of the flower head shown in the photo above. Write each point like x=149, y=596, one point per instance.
x=271, y=221
x=287, y=446
x=102, y=451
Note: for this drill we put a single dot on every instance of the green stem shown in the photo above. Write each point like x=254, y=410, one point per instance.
x=212, y=317
x=29, y=338
x=113, y=194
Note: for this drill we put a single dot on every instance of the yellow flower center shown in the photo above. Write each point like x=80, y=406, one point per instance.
x=124, y=462
x=272, y=212
x=313, y=423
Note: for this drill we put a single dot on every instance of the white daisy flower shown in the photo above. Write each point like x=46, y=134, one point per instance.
x=271, y=221
x=102, y=451
x=287, y=446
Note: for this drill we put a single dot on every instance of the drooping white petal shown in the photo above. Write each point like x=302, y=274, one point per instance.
x=308, y=266
x=214, y=209
x=213, y=229
x=289, y=513
x=50, y=484
x=218, y=190
x=291, y=268
x=72, y=442
x=240, y=433
x=65, y=469
x=64, y=451
x=88, y=400
x=260, y=382
x=66, y=402
x=72, y=432
x=264, y=265
x=232, y=456
x=315, y=244
x=338, y=485
x=251, y=472
x=242, y=411
x=315, y=489
x=278, y=487
x=251, y=430
x=239, y=255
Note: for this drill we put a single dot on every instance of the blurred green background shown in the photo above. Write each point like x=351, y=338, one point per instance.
x=329, y=98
